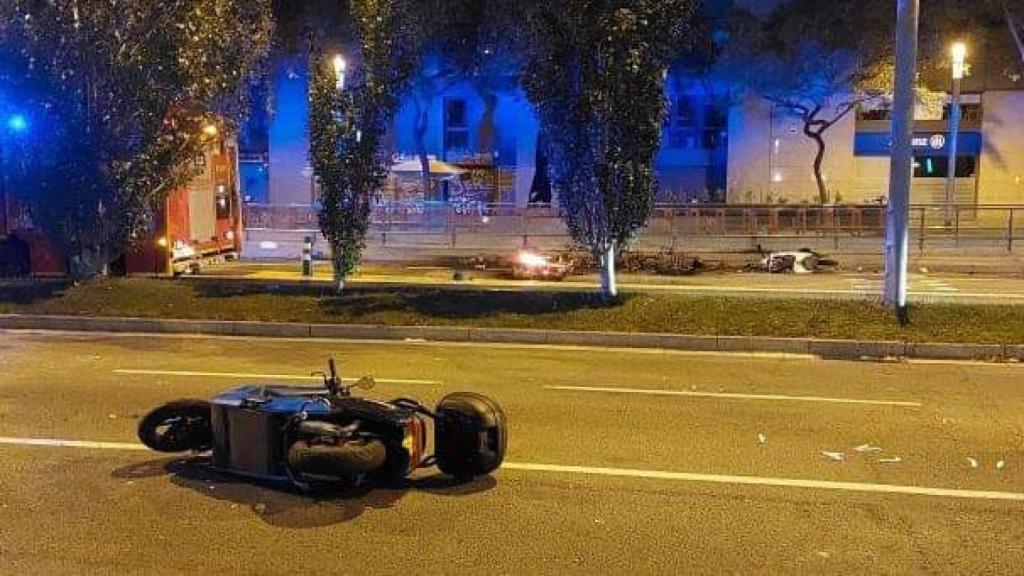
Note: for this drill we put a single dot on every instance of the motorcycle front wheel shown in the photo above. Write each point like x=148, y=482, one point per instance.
x=178, y=426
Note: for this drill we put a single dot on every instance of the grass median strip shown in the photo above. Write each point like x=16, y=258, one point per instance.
x=556, y=310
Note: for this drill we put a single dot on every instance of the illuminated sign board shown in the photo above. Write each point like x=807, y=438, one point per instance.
x=929, y=144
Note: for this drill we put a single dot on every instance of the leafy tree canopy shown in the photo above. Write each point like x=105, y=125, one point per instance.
x=131, y=83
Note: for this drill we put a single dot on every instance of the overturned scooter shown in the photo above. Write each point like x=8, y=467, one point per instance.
x=314, y=436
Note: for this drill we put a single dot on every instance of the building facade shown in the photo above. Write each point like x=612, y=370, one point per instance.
x=718, y=145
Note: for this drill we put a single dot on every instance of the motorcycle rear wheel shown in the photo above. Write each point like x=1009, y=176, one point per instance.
x=350, y=458
x=178, y=426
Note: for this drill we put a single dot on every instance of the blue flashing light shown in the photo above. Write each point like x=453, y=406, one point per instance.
x=17, y=123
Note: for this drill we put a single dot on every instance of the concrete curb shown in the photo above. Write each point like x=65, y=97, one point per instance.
x=830, y=349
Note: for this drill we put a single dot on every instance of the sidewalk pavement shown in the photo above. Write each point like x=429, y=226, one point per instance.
x=829, y=349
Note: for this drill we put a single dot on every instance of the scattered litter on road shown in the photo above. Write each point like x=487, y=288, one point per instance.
x=824, y=554
x=924, y=270
x=598, y=521
x=260, y=508
x=893, y=460
x=836, y=456
x=867, y=448
x=761, y=438
x=973, y=462
x=129, y=483
x=1001, y=464
x=415, y=340
x=112, y=416
x=234, y=506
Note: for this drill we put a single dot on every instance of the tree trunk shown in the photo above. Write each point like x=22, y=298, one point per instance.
x=422, y=121
x=486, y=138
x=339, y=278
x=540, y=188
x=338, y=264
x=609, y=286
x=1015, y=30
x=819, y=157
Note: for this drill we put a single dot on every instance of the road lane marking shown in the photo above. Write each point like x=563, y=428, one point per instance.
x=970, y=363
x=771, y=482
x=72, y=444
x=736, y=396
x=632, y=473
x=257, y=376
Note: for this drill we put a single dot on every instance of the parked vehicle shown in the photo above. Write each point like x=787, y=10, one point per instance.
x=310, y=437
x=803, y=261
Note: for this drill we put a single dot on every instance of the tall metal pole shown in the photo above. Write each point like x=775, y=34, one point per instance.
x=958, y=53
x=954, y=135
x=896, y=238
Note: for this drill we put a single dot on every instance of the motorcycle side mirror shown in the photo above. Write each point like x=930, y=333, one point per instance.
x=365, y=383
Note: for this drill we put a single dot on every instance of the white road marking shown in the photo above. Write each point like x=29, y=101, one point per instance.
x=734, y=396
x=71, y=443
x=771, y=482
x=633, y=473
x=971, y=363
x=258, y=376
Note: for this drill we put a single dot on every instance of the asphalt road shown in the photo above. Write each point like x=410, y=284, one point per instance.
x=922, y=287
x=619, y=462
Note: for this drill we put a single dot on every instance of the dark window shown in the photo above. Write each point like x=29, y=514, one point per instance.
x=684, y=112
x=937, y=166
x=875, y=114
x=696, y=123
x=223, y=203
x=715, y=116
x=456, y=126
x=968, y=112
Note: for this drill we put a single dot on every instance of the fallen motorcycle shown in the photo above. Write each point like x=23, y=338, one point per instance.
x=803, y=261
x=313, y=436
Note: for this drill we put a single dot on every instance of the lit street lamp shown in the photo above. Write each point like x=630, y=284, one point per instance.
x=17, y=123
x=339, y=71
x=958, y=55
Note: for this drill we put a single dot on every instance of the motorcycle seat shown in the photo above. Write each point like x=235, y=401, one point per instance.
x=292, y=391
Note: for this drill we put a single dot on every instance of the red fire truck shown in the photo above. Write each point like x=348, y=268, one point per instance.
x=200, y=222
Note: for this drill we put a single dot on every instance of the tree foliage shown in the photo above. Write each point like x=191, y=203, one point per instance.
x=803, y=59
x=123, y=89
x=347, y=126
x=595, y=71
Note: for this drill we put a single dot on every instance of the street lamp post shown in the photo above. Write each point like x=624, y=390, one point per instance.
x=958, y=53
x=897, y=232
